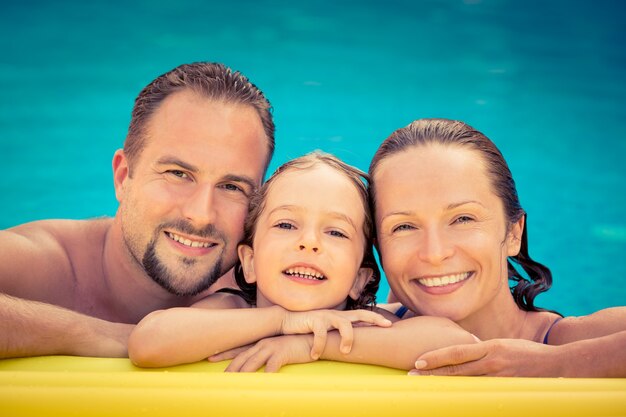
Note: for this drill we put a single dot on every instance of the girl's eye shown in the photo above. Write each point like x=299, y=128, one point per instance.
x=285, y=225
x=463, y=219
x=402, y=227
x=337, y=233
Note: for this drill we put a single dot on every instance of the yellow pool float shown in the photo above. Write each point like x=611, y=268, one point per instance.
x=75, y=386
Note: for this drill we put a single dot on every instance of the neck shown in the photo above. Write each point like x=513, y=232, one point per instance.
x=500, y=319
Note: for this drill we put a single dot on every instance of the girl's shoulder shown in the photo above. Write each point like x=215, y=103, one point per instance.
x=221, y=300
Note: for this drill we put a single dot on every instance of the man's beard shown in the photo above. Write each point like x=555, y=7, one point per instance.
x=163, y=276
x=160, y=274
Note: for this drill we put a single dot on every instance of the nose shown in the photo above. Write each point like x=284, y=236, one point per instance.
x=200, y=206
x=309, y=240
x=434, y=247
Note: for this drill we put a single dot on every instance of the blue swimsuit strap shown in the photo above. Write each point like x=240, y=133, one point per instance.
x=545, y=339
x=401, y=311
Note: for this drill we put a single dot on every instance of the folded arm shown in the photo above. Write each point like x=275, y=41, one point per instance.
x=185, y=335
x=394, y=347
x=30, y=328
x=589, y=346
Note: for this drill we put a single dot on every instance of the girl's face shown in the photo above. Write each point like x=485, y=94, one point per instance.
x=309, y=242
x=442, y=232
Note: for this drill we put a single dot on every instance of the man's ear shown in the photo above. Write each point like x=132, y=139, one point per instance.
x=515, y=236
x=246, y=257
x=120, y=173
x=363, y=276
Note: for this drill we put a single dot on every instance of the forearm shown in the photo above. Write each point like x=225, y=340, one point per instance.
x=185, y=335
x=599, y=357
x=398, y=346
x=29, y=328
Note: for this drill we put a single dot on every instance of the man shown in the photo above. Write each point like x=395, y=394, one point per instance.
x=199, y=142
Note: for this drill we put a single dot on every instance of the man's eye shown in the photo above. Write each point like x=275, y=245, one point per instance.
x=178, y=173
x=232, y=187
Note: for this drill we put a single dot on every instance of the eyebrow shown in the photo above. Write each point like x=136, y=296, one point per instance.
x=451, y=206
x=172, y=160
x=334, y=214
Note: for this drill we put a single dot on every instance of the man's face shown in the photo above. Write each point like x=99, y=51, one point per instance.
x=183, y=209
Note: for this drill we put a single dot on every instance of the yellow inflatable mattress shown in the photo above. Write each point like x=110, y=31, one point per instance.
x=74, y=386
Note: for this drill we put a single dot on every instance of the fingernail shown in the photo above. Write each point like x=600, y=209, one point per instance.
x=414, y=372
x=345, y=349
x=419, y=364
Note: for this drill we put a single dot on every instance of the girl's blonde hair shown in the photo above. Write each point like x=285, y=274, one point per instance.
x=257, y=204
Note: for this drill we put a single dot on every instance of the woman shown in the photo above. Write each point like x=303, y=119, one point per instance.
x=451, y=231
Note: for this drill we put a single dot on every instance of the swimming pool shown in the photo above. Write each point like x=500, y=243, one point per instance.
x=544, y=80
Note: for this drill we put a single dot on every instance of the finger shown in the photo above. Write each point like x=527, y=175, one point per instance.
x=238, y=361
x=273, y=364
x=346, y=332
x=319, y=342
x=256, y=361
x=371, y=317
x=451, y=355
x=228, y=354
x=465, y=369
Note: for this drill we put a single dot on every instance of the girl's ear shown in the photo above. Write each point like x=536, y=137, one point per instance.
x=515, y=237
x=246, y=256
x=363, y=276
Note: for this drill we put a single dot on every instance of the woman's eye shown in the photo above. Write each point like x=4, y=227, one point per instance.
x=402, y=227
x=285, y=225
x=337, y=233
x=463, y=219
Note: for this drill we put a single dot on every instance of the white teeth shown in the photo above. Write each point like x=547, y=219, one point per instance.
x=303, y=272
x=188, y=242
x=444, y=280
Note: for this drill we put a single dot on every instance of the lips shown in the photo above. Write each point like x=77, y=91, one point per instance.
x=305, y=272
x=188, y=242
x=443, y=280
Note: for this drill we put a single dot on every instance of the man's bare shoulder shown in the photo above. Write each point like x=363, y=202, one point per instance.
x=35, y=256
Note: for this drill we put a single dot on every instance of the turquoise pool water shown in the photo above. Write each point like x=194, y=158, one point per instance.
x=545, y=80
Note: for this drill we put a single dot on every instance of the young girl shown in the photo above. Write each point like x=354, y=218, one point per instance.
x=307, y=266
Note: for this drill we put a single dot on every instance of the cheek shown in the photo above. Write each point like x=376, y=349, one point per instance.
x=393, y=256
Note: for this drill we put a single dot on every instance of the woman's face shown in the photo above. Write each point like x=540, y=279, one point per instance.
x=442, y=232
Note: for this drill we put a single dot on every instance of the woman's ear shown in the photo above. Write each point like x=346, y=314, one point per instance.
x=515, y=236
x=246, y=256
x=363, y=276
x=120, y=173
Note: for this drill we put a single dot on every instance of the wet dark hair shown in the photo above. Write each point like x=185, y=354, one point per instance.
x=208, y=79
x=455, y=133
x=367, y=298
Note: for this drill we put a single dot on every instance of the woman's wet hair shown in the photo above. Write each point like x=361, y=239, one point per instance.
x=359, y=179
x=455, y=133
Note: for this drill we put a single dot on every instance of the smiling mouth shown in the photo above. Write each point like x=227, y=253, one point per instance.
x=444, y=280
x=305, y=273
x=188, y=242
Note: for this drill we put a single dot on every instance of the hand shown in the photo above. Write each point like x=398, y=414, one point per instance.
x=319, y=322
x=273, y=352
x=496, y=357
